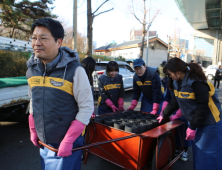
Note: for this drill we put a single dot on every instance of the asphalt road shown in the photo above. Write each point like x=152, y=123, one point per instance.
x=18, y=153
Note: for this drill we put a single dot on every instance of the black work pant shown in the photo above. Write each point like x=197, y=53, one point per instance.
x=217, y=81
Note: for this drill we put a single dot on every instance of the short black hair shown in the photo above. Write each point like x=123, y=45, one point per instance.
x=55, y=27
x=112, y=66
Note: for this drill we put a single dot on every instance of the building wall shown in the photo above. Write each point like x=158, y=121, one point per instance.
x=130, y=53
x=216, y=37
x=155, y=57
x=205, y=44
x=103, y=53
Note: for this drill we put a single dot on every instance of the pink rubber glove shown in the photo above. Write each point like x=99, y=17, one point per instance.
x=164, y=105
x=160, y=118
x=155, y=108
x=33, y=135
x=133, y=105
x=177, y=115
x=110, y=104
x=121, y=103
x=93, y=114
x=65, y=147
x=190, y=134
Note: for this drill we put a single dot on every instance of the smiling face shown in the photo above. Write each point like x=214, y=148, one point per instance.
x=44, y=45
x=113, y=73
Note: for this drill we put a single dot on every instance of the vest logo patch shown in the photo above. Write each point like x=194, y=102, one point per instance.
x=35, y=81
x=147, y=82
x=184, y=95
x=139, y=83
x=56, y=83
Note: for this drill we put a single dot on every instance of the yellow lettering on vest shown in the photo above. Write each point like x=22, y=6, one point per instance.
x=186, y=95
x=139, y=83
x=51, y=82
x=112, y=86
x=148, y=83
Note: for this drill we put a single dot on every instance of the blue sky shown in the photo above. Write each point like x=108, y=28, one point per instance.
x=116, y=24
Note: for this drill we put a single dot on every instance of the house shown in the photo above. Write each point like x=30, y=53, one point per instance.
x=130, y=50
x=104, y=50
x=137, y=34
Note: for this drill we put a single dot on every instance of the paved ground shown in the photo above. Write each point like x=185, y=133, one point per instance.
x=18, y=153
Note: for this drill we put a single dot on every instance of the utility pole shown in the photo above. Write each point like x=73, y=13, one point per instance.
x=75, y=25
x=168, y=50
x=147, y=34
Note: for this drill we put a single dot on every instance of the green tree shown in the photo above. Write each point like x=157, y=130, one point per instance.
x=19, y=16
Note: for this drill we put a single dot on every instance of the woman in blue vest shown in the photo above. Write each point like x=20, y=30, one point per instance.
x=179, y=138
x=201, y=107
x=111, y=90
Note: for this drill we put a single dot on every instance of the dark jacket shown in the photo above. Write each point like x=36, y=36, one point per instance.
x=54, y=107
x=217, y=74
x=149, y=84
x=197, y=100
x=110, y=88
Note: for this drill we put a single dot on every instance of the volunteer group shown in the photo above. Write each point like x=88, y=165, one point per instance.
x=61, y=100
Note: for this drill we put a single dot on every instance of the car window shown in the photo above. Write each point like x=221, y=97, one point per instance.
x=122, y=66
x=100, y=66
x=129, y=68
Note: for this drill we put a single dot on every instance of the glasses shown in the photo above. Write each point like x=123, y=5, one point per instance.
x=42, y=39
x=138, y=68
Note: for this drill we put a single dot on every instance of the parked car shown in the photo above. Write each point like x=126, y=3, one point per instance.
x=210, y=71
x=124, y=69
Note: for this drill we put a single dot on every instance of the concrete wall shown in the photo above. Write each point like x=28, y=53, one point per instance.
x=130, y=53
x=155, y=57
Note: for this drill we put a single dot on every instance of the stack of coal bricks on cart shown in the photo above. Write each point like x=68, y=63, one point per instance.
x=130, y=121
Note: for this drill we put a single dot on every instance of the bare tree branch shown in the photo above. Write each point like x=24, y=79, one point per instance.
x=131, y=9
x=137, y=18
x=157, y=12
x=103, y=12
x=100, y=7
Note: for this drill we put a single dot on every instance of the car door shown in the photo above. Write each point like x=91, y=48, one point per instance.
x=131, y=73
x=123, y=72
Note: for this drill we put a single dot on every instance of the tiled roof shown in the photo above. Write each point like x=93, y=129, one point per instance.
x=132, y=42
x=129, y=44
x=105, y=47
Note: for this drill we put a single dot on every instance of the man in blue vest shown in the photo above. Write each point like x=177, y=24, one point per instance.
x=146, y=81
x=61, y=101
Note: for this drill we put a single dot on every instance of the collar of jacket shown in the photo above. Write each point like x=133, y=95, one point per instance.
x=64, y=57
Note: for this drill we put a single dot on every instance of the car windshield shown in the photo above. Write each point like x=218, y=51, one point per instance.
x=100, y=66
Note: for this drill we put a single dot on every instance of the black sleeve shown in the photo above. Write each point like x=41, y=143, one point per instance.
x=156, y=88
x=121, y=93
x=171, y=107
x=136, y=91
x=201, y=91
x=168, y=95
